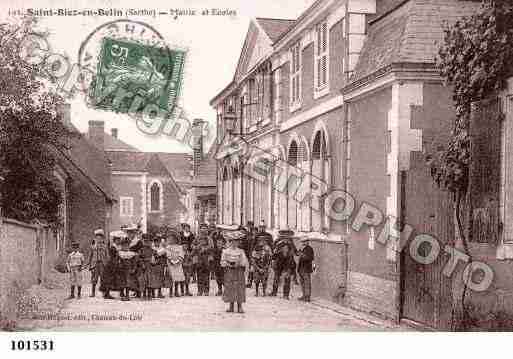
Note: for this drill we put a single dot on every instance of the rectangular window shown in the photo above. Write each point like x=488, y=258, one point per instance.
x=126, y=206
x=295, y=76
x=321, y=57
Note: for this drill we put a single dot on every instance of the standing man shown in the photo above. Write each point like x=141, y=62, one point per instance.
x=305, y=269
x=97, y=259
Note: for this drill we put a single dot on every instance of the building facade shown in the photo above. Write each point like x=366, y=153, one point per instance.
x=143, y=183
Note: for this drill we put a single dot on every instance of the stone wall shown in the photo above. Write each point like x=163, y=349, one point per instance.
x=20, y=266
x=27, y=255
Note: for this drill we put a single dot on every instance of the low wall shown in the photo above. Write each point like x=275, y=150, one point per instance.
x=26, y=255
x=329, y=278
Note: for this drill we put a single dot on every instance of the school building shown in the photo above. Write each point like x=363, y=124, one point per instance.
x=349, y=93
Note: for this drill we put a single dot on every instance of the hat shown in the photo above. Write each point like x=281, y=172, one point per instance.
x=99, y=232
x=233, y=235
x=286, y=233
x=75, y=245
x=118, y=234
x=130, y=227
x=304, y=239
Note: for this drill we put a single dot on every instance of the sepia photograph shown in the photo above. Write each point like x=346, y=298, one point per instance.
x=268, y=166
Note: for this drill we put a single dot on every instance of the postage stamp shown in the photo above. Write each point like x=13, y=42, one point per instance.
x=133, y=69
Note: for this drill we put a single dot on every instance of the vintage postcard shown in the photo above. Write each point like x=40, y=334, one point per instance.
x=224, y=165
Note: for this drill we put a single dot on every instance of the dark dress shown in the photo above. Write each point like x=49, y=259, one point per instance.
x=147, y=257
x=127, y=264
x=234, y=276
x=108, y=277
x=205, y=256
x=157, y=271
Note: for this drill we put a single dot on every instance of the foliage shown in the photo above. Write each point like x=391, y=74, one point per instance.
x=475, y=60
x=31, y=132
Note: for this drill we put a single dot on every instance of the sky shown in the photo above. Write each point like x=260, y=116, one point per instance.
x=214, y=44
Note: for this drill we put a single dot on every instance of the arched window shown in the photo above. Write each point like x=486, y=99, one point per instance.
x=225, y=196
x=156, y=196
x=304, y=198
x=292, y=185
x=321, y=170
x=236, y=194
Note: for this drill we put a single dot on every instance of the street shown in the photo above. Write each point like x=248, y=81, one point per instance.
x=206, y=314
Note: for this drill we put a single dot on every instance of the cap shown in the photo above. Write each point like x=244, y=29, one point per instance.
x=304, y=239
x=99, y=232
x=75, y=245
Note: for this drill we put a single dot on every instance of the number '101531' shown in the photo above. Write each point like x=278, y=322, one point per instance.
x=32, y=345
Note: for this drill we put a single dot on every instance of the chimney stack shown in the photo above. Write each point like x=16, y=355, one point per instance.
x=197, y=144
x=114, y=132
x=96, y=134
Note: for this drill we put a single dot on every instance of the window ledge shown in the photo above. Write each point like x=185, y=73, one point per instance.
x=295, y=107
x=321, y=92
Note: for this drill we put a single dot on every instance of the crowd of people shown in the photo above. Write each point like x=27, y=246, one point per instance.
x=138, y=265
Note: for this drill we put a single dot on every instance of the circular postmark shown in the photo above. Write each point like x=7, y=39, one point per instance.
x=130, y=68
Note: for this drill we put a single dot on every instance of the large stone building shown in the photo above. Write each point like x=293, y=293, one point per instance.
x=349, y=97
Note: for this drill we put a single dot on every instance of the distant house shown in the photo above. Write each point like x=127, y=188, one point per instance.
x=201, y=197
x=144, y=183
x=83, y=176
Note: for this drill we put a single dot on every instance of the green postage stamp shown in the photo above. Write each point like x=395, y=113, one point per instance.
x=131, y=76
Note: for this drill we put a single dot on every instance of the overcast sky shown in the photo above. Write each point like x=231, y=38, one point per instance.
x=214, y=44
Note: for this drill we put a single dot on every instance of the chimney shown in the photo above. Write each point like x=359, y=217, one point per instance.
x=114, y=132
x=197, y=144
x=64, y=111
x=96, y=134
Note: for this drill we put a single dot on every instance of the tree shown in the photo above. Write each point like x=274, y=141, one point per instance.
x=474, y=60
x=31, y=132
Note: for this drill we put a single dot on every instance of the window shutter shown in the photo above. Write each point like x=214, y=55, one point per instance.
x=319, y=65
x=324, y=36
x=324, y=70
x=485, y=170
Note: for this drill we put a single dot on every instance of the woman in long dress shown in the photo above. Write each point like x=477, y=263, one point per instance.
x=235, y=263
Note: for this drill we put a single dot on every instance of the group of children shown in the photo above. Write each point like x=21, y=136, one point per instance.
x=167, y=262
x=145, y=266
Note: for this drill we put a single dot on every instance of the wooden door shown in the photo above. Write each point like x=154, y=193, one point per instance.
x=425, y=290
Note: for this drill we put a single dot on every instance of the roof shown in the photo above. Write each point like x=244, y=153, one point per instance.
x=274, y=28
x=179, y=165
x=409, y=33
x=115, y=144
x=90, y=163
x=128, y=161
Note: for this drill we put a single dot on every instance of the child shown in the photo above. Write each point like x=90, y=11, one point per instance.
x=127, y=263
x=261, y=259
x=175, y=256
x=147, y=258
x=195, y=247
x=205, y=257
x=188, y=267
x=74, y=264
x=157, y=268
